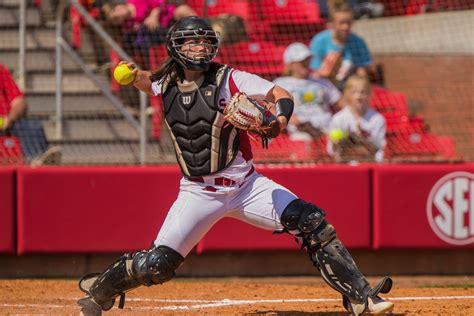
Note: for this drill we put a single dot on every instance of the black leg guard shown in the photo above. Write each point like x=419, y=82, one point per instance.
x=337, y=266
x=326, y=251
x=148, y=267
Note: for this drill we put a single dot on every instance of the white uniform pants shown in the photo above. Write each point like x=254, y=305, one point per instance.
x=257, y=200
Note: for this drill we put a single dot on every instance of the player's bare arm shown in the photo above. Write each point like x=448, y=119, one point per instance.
x=18, y=109
x=142, y=81
x=284, y=104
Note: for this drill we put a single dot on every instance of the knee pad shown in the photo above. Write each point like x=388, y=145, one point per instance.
x=301, y=216
x=155, y=266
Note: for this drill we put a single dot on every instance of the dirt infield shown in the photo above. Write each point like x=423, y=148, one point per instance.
x=242, y=296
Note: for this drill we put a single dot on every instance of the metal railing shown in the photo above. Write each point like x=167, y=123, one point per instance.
x=62, y=44
x=22, y=45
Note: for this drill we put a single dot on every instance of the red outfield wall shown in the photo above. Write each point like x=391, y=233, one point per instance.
x=110, y=209
x=7, y=210
x=423, y=206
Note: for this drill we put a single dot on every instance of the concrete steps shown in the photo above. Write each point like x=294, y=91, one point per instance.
x=41, y=38
x=37, y=60
x=77, y=82
x=73, y=104
x=92, y=129
x=9, y=17
x=112, y=153
x=94, y=132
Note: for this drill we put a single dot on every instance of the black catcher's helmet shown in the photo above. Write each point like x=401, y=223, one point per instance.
x=189, y=28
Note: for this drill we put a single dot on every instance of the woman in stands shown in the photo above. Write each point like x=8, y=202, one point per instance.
x=219, y=179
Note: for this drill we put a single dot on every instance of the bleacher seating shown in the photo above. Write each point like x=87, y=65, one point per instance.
x=281, y=149
x=261, y=58
x=274, y=24
x=285, y=22
x=243, y=8
x=408, y=137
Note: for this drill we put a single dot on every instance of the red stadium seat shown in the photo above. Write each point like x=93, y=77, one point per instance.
x=319, y=150
x=384, y=100
x=281, y=149
x=156, y=120
x=10, y=150
x=289, y=11
x=243, y=8
x=158, y=54
x=286, y=21
x=261, y=58
x=398, y=123
x=420, y=145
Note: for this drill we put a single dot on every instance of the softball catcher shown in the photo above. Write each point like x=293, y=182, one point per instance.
x=210, y=110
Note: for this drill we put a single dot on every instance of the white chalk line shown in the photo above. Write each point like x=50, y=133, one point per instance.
x=228, y=302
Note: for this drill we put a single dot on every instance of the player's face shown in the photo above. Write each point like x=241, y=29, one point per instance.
x=341, y=25
x=197, y=48
x=359, y=96
x=300, y=69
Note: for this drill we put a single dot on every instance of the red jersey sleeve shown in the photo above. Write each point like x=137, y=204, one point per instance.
x=8, y=90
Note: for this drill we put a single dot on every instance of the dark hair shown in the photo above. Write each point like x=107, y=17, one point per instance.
x=169, y=70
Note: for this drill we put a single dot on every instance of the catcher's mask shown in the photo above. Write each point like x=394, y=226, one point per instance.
x=194, y=32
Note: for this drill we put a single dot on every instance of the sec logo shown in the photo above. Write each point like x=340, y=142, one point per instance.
x=450, y=208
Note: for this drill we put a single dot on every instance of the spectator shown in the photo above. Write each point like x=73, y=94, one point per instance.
x=29, y=132
x=337, y=52
x=315, y=99
x=144, y=22
x=357, y=132
x=364, y=9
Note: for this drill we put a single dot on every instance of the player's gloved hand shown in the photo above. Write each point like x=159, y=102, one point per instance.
x=250, y=115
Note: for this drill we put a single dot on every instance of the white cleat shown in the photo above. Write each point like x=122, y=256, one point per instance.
x=89, y=307
x=378, y=305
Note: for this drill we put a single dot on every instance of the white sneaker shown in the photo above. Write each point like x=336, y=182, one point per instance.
x=376, y=305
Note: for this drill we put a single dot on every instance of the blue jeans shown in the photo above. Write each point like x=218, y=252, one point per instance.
x=31, y=134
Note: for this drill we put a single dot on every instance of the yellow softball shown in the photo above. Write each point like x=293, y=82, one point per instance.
x=337, y=135
x=123, y=74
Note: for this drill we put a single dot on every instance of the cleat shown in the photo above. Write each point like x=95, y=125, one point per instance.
x=89, y=307
x=376, y=305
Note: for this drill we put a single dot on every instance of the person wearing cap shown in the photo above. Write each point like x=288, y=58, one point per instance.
x=316, y=99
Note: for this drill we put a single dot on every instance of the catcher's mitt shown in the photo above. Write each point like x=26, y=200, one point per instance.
x=248, y=114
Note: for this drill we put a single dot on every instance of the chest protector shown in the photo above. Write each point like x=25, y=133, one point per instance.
x=204, y=144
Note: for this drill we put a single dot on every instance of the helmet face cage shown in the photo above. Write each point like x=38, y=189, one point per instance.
x=203, y=37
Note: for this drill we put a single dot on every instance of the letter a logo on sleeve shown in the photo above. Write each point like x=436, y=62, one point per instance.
x=450, y=208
